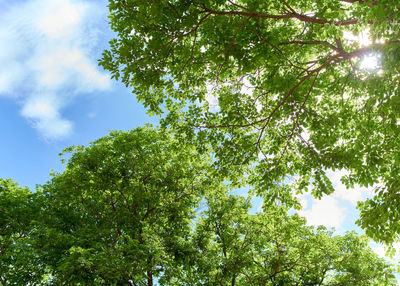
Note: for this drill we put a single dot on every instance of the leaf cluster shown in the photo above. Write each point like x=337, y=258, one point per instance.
x=144, y=208
x=292, y=99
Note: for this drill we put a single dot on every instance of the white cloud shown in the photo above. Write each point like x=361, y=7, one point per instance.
x=47, y=55
x=42, y=111
x=60, y=18
x=380, y=250
x=331, y=211
x=351, y=195
x=326, y=211
x=64, y=66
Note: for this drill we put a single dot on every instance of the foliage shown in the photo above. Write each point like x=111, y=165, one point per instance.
x=19, y=263
x=143, y=208
x=123, y=207
x=234, y=247
x=292, y=97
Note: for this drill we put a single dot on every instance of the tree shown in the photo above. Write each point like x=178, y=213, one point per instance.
x=19, y=262
x=122, y=209
x=292, y=97
x=233, y=247
x=141, y=208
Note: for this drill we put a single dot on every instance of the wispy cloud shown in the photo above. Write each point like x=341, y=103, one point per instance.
x=332, y=211
x=326, y=211
x=43, y=111
x=352, y=195
x=46, y=51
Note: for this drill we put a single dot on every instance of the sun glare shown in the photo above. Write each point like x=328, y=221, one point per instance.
x=369, y=62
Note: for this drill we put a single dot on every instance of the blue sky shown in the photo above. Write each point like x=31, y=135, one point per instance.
x=53, y=95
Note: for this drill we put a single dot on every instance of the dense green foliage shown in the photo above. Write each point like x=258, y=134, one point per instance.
x=292, y=97
x=19, y=262
x=123, y=206
x=265, y=93
x=234, y=247
x=141, y=208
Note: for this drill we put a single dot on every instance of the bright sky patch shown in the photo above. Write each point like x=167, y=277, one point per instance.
x=46, y=59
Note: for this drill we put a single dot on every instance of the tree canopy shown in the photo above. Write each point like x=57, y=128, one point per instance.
x=270, y=247
x=123, y=207
x=19, y=262
x=140, y=208
x=277, y=85
x=271, y=94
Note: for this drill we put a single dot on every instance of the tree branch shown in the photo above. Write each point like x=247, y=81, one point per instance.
x=301, y=17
